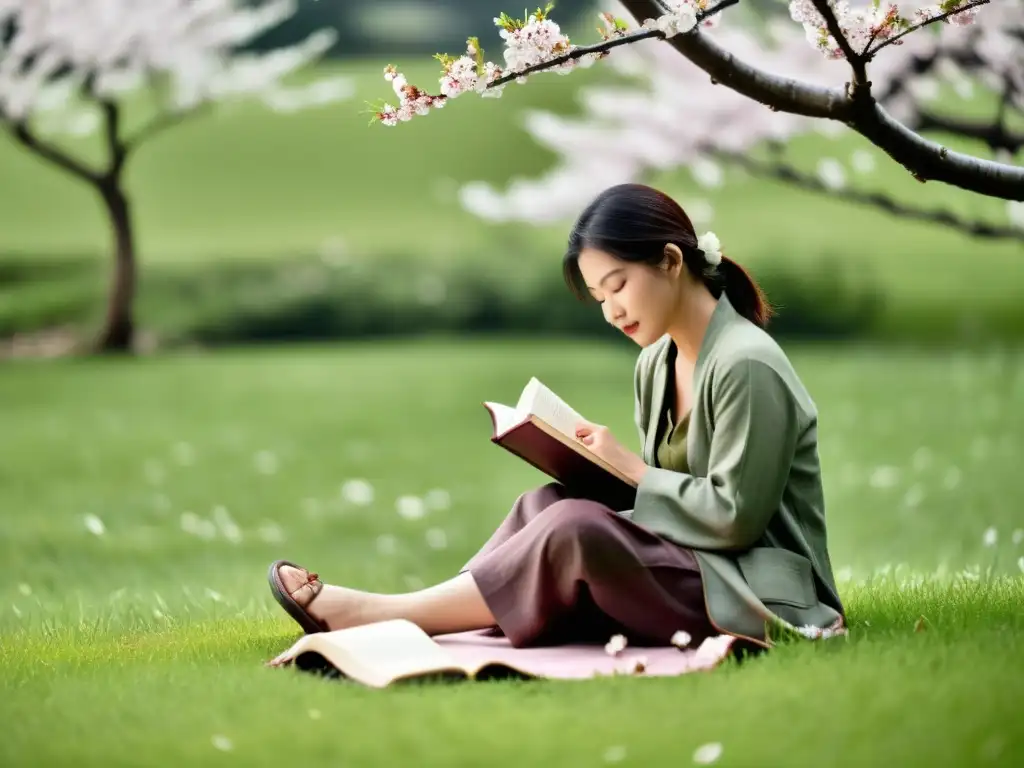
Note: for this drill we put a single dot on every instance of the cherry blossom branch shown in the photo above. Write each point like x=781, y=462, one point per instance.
x=869, y=54
x=579, y=52
x=791, y=175
x=860, y=75
x=925, y=159
x=534, y=44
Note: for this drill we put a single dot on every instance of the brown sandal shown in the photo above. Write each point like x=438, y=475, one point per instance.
x=309, y=624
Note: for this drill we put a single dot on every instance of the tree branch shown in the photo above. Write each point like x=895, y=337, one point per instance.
x=112, y=129
x=48, y=152
x=855, y=60
x=578, y=52
x=870, y=54
x=789, y=174
x=925, y=159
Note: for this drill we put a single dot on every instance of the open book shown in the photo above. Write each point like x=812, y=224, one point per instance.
x=386, y=652
x=541, y=430
x=380, y=654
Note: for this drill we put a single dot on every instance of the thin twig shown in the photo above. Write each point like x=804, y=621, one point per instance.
x=973, y=4
x=856, y=62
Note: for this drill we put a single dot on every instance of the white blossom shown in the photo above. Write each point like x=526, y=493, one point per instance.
x=437, y=538
x=707, y=753
x=357, y=491
x=615, y=645
x=533, y=41
x=437, y=498
x=991, y=537
x=410, y=507
x=670, y=114
x=94, y=525
x=831, y=173
x=117, y=46
x=681, y=639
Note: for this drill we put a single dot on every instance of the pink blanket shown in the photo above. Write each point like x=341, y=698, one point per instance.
x=582, y=661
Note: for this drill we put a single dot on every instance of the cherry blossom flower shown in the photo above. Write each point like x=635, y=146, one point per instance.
x=615, y=645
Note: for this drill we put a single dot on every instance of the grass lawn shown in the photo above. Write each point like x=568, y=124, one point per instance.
x=141, y=641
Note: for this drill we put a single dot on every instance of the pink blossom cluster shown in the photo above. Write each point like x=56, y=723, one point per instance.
x=871, y=24
x=528, y=43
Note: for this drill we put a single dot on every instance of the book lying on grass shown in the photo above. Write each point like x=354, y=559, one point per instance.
x=379, y=654
x=541, y=430
x=387, y=652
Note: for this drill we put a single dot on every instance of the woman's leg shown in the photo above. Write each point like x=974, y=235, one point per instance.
x=455, y=605
x=452, y=606
x=583, y=572
x=570, y=575
x=526, y=508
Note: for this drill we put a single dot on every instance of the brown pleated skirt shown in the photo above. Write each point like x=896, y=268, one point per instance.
x=562, y=569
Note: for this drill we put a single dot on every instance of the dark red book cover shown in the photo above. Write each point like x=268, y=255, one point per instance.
x=570, y=463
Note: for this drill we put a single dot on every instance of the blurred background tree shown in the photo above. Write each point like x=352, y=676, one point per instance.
x=73, y=67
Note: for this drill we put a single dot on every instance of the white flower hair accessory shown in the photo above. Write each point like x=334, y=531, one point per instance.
x=708, y=242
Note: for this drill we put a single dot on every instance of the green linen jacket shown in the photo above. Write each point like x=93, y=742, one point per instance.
x=752, y=508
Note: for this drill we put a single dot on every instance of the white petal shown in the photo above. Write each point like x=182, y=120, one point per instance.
x=707, y=753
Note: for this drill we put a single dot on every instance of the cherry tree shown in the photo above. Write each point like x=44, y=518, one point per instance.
x=852, y=39
x=670, y=115
x=71, y=66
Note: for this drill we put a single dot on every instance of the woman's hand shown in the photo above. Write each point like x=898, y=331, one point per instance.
x=599, y=440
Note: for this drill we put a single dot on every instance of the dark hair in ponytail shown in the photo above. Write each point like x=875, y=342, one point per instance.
x=634, y=222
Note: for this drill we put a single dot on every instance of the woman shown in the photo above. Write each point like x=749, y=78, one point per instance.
x=727, y=533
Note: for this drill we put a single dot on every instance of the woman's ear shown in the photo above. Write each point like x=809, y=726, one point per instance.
x=673, y=263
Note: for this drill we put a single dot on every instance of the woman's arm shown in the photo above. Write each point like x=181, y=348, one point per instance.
x=755, y=434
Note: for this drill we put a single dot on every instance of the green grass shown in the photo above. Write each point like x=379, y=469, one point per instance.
x=118, y=654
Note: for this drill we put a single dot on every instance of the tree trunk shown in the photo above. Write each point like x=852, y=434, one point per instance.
x=118, y=332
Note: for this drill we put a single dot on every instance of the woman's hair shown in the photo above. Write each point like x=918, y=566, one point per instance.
x=634, y=222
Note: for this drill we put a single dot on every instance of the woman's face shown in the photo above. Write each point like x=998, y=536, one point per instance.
x=638, y=299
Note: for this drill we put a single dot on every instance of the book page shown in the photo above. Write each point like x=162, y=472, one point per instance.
x=545, y=404
x=504, y=416
x=379, y=653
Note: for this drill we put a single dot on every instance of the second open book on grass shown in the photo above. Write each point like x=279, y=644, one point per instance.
x=541, y=430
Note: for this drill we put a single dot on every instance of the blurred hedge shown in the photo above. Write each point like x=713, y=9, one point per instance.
x=305, y=298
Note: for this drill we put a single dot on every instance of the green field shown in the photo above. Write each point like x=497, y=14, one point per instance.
x=248, y=185
x=142, y=644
